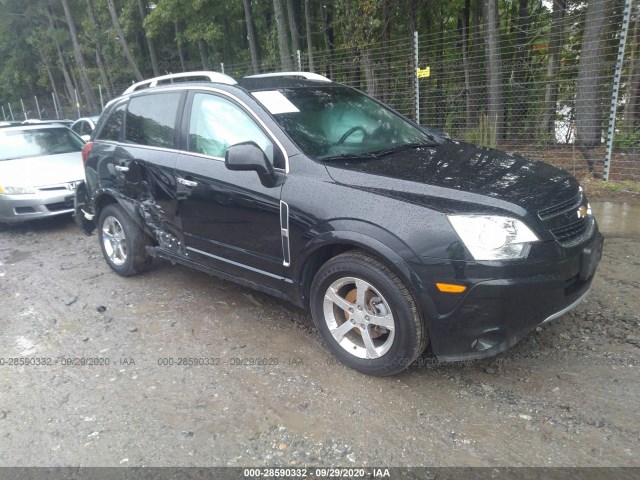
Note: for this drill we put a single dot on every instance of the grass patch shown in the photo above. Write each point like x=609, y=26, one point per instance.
x=599, y=188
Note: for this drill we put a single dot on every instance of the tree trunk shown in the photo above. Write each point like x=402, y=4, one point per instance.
x=326, y=13
x=475, y=63
x=54, y=87
x=495, y=95
x=204, y=56
x=465, y=62
x=553, y=67
x=123, y=41
x=518, y=110
x=293, y=27
x=152, y=51
x=633, y=83
x=251, y=33
x=84, y=78
x=283, y=41
x=98, y=48
x=369, y=73
x=179, y=45
x=587, y=111
x=307, y=21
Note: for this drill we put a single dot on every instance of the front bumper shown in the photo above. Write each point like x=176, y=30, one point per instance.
x=21, y=208
x=496, y=313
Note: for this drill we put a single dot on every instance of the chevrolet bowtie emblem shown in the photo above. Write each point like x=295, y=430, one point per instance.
x=582, y=212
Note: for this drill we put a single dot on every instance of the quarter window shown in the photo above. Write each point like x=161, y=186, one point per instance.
x=112, y=127
x=151, y=120
x=217, y=123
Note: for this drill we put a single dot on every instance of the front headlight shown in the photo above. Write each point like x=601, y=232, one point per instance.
x=490, y=237
x=16, y=190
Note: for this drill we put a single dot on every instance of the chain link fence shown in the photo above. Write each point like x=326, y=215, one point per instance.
x=539, y=80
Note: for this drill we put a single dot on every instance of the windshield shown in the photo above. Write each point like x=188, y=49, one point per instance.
x=37, y=143
x=337, y=121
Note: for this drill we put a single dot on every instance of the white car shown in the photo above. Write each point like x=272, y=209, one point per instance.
x=85, y=126
x=40, y=166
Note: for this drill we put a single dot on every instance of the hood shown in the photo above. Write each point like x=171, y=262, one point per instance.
x=42, y=171
x=462, y=172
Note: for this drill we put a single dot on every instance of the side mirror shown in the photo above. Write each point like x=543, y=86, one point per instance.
x=249, y=156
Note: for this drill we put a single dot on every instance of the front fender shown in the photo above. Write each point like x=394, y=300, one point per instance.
x=389, y=254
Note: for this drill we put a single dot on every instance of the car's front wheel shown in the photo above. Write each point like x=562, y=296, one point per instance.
x=366, y=315
x=123, y=243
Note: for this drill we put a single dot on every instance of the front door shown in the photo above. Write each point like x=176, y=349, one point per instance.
x=230, y=221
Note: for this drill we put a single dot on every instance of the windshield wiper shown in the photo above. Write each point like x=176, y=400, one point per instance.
x=399, y=148
x=350, y=156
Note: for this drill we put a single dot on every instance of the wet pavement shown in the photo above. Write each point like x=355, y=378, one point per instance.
x=175, y=367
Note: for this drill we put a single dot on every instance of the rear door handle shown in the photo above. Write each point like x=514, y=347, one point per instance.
x=120, y=168
x=187, y=183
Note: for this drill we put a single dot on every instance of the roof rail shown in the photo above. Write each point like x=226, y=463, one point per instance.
x=216, y=77
x=307, y=75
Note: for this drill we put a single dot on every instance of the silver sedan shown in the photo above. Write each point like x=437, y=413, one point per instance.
x=40, y=166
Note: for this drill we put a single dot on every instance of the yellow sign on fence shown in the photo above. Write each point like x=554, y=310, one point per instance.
x=423, y=72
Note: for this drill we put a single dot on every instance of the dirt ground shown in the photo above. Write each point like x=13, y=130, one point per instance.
x=265, y=391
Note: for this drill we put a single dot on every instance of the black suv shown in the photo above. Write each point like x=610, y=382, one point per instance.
x=393, y=237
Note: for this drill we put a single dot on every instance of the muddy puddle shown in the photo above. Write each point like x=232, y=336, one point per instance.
x=617, y=219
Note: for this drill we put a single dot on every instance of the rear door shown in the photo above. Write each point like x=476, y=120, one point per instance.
x=231, y=222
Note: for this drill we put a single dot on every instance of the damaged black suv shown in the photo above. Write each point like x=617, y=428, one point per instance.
x=396, y=240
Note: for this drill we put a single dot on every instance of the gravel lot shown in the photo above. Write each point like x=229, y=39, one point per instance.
x=259, y=388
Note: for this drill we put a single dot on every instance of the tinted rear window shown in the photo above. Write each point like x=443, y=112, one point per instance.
x=38, y=143
x=151, y=119
x=113, y=125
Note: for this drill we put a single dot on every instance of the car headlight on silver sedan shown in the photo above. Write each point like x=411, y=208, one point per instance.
x=8, y=190
x=492, y=237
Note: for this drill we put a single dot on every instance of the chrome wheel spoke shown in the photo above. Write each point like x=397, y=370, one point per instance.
x=342, y=330
x=362, y=288
x=368, y=343
x=333, y=296
x=385, y=321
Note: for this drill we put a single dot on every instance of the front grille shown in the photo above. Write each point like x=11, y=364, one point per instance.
x=571, y=204
x=561, y=221
x=56, y=207
x=53, y=188
x=572, y=231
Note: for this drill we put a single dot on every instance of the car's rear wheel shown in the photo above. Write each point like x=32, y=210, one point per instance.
x=366, y=315
x=123, y=243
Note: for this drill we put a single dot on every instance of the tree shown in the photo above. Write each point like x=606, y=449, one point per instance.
x=77, y=52
x=307, y=21
x=553, y=66
x=123, y=41
x=495, y=95
x=142, y=8
x=251, y=34
x=283, y=41
x=588, y=128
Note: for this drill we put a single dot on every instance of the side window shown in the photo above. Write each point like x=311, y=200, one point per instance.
x=217, y=123
x=113, y=125
x=151, y=119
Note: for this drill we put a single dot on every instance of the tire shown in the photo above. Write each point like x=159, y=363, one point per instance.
x=366, y=315
x=123, y=243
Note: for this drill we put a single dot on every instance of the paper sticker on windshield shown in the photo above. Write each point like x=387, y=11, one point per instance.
x=275, y=102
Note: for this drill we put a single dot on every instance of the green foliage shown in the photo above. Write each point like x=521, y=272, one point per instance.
x=484, y=134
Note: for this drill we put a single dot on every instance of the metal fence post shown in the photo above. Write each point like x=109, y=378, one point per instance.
x=23, y=110
x=55, y=105
x=222, y=67
x=38, y=107
x=78, y=103
x=101, y=99
x=3, y=114
x=415, y=75
x=299, y=60
x=616, y=88
x=11, y=112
